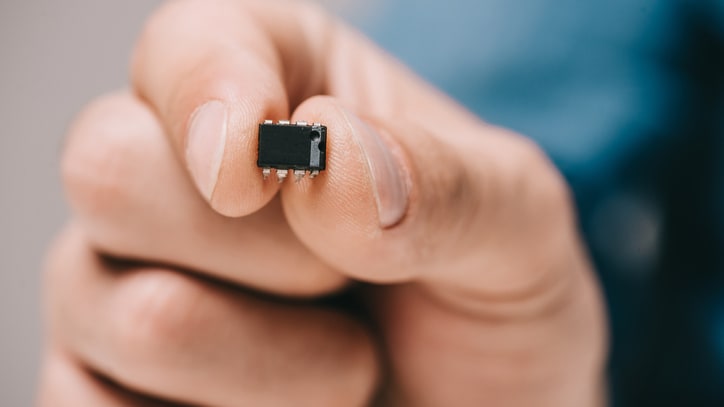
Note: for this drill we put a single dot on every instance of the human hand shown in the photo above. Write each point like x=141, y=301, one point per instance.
x=185, y=277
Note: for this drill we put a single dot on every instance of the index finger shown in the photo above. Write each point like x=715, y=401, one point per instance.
x=213, y=70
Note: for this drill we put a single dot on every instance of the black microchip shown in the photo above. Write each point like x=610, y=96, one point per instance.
x=284, y=146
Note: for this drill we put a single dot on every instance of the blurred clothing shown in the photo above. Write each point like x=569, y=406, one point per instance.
x=626, y=96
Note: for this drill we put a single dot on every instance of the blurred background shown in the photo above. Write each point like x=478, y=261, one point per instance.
x=55, y=56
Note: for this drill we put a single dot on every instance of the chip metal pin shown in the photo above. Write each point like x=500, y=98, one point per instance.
x=298, y=175
x=314, y=174
x=281, y=175
x=266, y=172
x=268, y=121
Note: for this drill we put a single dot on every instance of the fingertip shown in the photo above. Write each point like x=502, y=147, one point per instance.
x=210, y=87
x=222, y=109
x=341, y=195
x=344, y=214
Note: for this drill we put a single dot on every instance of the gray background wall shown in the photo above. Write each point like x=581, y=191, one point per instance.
x=55, y=55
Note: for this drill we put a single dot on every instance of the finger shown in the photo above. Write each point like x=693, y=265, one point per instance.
x=213, y=70
x=64, y=383
x=166, y=334
x=404, y=202
x=135, y=201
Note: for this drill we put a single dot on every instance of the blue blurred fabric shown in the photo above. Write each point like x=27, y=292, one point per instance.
x=626, y=96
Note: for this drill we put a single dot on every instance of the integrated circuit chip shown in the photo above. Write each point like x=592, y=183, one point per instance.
x=299, y=147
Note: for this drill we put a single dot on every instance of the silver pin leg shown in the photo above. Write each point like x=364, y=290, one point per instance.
x=281, y=175
x=298, y=175
x=265, y=173
x=314, y=174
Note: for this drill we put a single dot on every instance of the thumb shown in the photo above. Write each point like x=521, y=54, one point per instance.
x=457, y=202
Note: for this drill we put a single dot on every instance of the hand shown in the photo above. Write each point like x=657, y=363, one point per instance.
x=185, y=277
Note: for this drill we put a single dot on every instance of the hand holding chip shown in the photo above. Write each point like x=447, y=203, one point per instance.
x=186, y=277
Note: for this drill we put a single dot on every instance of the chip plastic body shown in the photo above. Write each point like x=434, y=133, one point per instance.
x=300, y=147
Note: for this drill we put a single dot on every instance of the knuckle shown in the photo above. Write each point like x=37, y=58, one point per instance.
x=521, y=179
x=55, y=255
x=547, y=214
x=187, y=19
x=541, y=177
x=158, y=315
x=68, y=248
x=166, y=16
x=98, y=156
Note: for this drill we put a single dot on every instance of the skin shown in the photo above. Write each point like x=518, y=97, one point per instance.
x=475, y=288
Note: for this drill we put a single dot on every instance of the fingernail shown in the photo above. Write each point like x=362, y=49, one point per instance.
x=389, y=180
x=205, y=145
